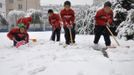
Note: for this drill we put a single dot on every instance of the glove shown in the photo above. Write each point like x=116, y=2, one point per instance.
x=61, y=23
x=103, y=17
x=13, y=39
x=69, y=26
x=107, y=24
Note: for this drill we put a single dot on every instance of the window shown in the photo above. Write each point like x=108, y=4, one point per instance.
x=0, y=5
x=11, y=1
x=19, y=6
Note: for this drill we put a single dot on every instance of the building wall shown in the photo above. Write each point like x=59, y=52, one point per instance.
x=22, y=5
x=9, y=6
x=35, y=4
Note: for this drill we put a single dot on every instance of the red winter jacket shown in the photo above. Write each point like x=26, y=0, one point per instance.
x=68, y=17
x=15, y=33
x=25, y=21
x=100, y=21
x=54, y=20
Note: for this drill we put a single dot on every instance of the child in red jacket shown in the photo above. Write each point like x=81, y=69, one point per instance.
x=103, y=18
x=54, y=20
x=68, y=18
x=26, y=21
x=18, y=34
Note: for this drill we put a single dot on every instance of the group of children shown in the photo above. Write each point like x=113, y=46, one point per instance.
x=66, y=19
x=103, y=18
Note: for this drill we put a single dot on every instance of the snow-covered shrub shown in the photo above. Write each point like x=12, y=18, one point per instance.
x=29, y=12
x=3, y=20
x=37, y=19
x=3, y=23
x=126, y=28
x=36, y=16
x=13, y=16
x=85, y=19
x=119, y=11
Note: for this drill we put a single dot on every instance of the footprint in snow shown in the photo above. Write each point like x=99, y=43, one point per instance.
x=37, y=70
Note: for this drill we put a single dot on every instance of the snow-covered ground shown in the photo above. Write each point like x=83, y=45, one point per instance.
x=47, y=58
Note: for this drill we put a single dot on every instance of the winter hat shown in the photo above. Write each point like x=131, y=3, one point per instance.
x=109, y=4
x=21, y=25
x=67, y=3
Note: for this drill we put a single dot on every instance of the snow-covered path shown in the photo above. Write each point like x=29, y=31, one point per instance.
x=48, y=58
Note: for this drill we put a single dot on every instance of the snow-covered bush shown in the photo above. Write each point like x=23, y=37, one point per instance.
x=36, y=16
x=120, y=15
x=3, y=20
x=29, y=12
x=3, y=23
x=126, y=28
x=37, y=19
x=13, y=16
x=85, y=19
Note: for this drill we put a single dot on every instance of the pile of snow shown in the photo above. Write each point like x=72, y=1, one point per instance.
x=48, y=58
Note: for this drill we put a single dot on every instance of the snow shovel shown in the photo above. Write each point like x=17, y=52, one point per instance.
x=33, y=40
x=112, y=35
x=71, y=38
x=20, y=43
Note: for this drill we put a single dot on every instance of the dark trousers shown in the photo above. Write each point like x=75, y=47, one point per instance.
x=14, y=43
x=56, y=32
x=67, y=35
x=102, y=30
x=17, y=39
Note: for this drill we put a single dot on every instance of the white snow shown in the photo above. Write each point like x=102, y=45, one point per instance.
x=48, y=58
